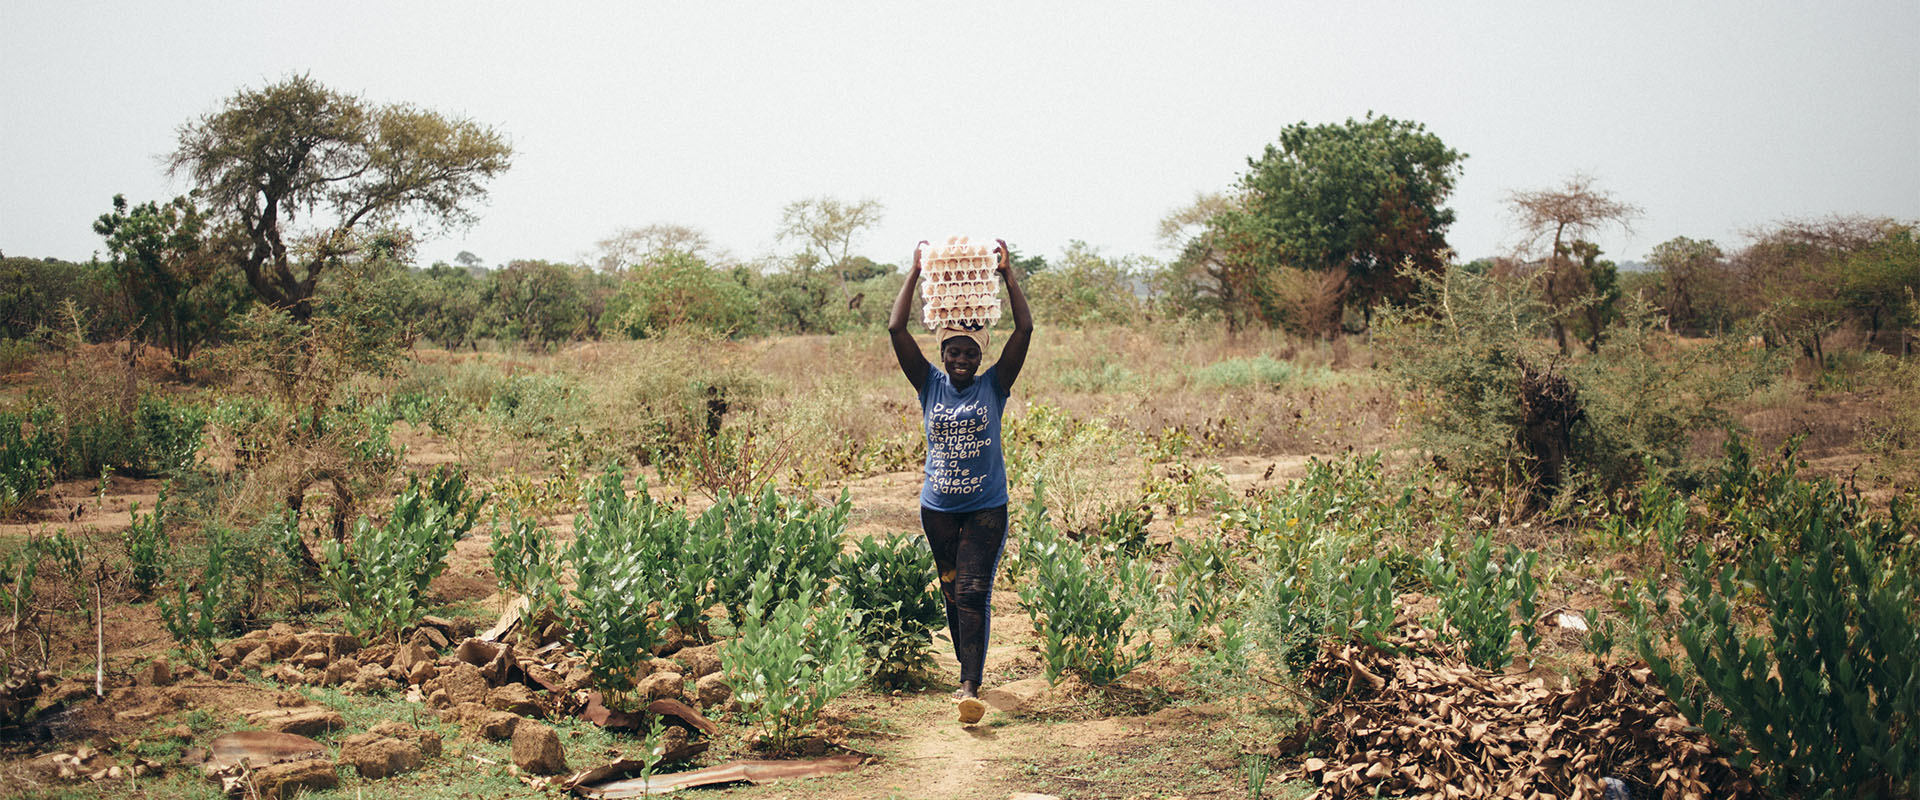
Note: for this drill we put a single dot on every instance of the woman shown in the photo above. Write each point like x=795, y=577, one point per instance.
x=963, y=502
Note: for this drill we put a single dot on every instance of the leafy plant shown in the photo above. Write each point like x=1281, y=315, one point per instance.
x=792, y=542
x=1202, y=586
x=616, y=580
x=889, y=583
x=524, y=557
x=1483, y=602
x=1802, y=635
x=379, y=582
x=202, y=608
x=792, y=657
x=26, y=463
x=1084, y=612
x=146, y=544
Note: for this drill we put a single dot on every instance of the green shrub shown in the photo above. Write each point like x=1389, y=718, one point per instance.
x=379, y=583
x=1086, y=613
x=1460, y=351
x=203, y=607
x=524, y=557
x=793, y=542
x=1483, y=603
x=1203, y=586
x=791, y=658
x=1799, y=641
x=146, y=544
x=890, y=583
x=26, y=463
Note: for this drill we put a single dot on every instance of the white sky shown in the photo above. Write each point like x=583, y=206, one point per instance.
x=1036, y=122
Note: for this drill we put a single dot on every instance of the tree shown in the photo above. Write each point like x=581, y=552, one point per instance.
x=826, y=229
x=633, y=247
x=535, y=301
x=1364, y=197
x=1218, y=270
x=301, y=169
x=1086, y=288
x=678, y=290
x=1691, y=285
x=1575, y=210
x=175, y=271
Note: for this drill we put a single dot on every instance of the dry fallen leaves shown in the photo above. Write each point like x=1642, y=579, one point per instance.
x=1413, y=726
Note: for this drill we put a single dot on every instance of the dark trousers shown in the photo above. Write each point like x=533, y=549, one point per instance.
x=966, y=550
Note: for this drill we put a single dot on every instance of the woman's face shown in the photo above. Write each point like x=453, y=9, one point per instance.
x=961, y=356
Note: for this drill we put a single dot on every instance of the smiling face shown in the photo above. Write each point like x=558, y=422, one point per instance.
x=961, y=356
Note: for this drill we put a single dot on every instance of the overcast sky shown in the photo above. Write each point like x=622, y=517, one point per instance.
x=1036, y=122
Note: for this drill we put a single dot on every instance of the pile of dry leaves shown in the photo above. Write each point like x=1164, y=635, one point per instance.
x=1417, y=726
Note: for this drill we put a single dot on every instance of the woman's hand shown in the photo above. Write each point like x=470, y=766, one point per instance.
x=1006, y=259
x=917, y=249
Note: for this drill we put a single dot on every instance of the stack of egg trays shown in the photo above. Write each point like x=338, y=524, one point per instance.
x=959, y=285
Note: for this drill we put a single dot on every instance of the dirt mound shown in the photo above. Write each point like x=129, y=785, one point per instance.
x=1414, y=726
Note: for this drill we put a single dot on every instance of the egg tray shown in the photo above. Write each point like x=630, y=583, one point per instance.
x=959, y=285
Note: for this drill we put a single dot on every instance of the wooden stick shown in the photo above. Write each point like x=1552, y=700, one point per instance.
x=99, y=645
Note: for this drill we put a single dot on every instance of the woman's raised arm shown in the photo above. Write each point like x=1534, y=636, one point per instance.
x=905, y=349
x=1014, y=355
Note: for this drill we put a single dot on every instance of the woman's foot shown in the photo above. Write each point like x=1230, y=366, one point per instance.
x=969, y=704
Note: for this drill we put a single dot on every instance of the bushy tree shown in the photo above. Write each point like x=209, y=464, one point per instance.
x=301, y=170
x=534, y=301
x=1364, y=197
x=176, y=271
x=673, y=290
x=449, y=305
x=32, y=290
x=1086, y=288
x=1692, y=285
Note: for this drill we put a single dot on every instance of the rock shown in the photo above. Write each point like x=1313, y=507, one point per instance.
x=464, y=683
x=673, y=740
x=314, y=660
x=158, y=672
x=1015, y=696
x=372, y=679
x=376, y=756
x=289, y=780
x=662, y=685
x=287, y=674
x=283, y=645
x=548, y=679
x=430, y=638
x=438, y=699
x=499, y=725
x=515, y=697
x=300, y=721
x=218, y=669
x=701, y=661
x=578, y=677
x=712, y=691
x=422, y=672
x=342, y=671
x=536, y=749
x=444, y=626
x=504, y=668
x=257, y=658
x=410, y=654
x=427, y=741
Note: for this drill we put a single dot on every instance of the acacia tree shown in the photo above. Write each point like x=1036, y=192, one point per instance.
x=826, y=228
x=1573, y=211
x=633, y=247
x=1690, y=289
x=301, y=169
x=1364, y=197
x=1217, y=270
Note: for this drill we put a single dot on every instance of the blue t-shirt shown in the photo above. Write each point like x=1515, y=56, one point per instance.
x=965, y=468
